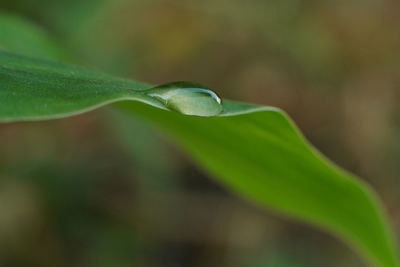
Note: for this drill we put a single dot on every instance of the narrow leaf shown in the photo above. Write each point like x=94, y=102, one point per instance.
x=255, y=151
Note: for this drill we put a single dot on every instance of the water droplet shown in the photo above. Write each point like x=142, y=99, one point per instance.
x=188, y=98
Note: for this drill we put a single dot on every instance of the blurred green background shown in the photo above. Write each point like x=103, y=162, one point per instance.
x=103, y=189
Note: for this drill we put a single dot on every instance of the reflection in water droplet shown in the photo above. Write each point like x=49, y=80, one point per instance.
x=188, y=98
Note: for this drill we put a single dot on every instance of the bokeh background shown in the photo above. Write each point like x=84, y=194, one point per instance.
x=106, y=190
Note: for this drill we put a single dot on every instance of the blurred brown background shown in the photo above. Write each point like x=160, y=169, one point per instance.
x=102, y=189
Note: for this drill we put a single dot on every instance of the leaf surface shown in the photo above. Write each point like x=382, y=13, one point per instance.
x=255, y=151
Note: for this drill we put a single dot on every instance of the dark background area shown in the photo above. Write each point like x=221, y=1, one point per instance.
x=107, y=190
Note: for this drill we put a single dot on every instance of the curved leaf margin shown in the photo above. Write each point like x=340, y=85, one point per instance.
x=256, y=151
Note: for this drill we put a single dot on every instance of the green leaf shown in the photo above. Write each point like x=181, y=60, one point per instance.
x=20, y=36
x=259, y=153
x=255, y=151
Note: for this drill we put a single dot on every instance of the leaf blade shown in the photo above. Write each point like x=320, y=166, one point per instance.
x=262, y=143
x=339, y=216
